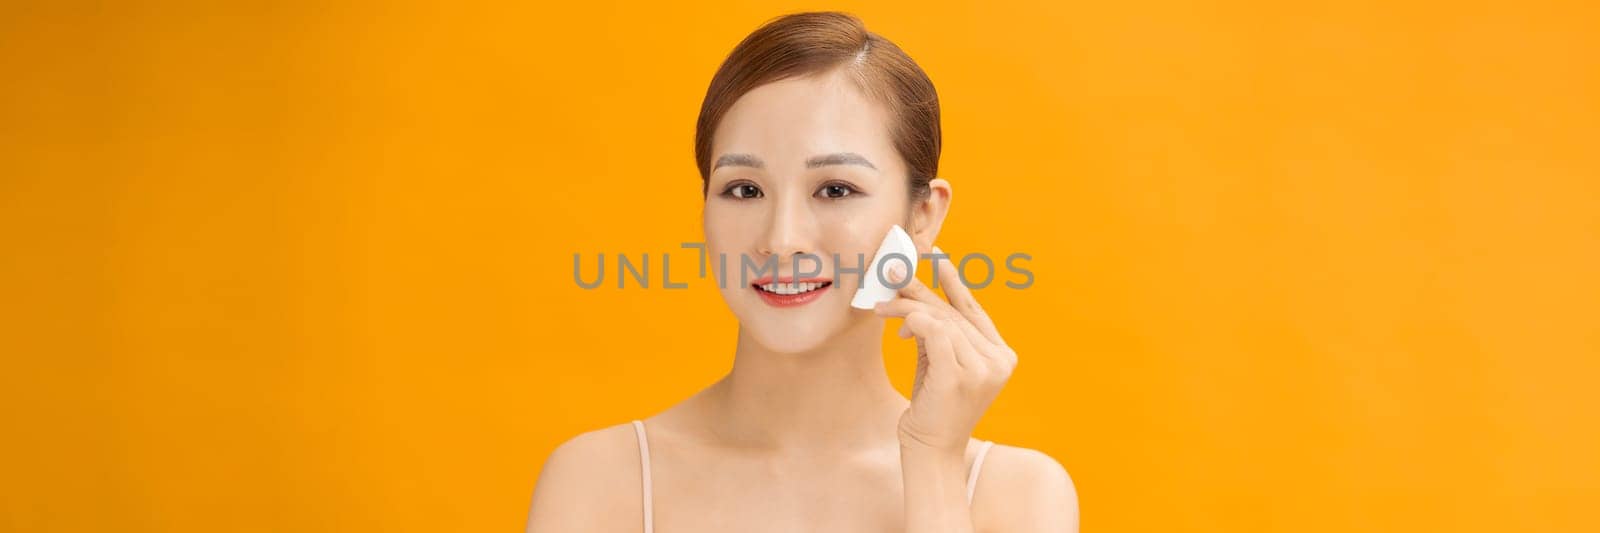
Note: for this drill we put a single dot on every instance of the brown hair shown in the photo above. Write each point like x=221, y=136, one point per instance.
x=803, y=44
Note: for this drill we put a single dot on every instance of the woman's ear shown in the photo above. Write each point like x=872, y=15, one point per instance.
x=927, y=215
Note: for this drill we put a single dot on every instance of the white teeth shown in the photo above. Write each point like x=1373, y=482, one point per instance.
x=790, y=288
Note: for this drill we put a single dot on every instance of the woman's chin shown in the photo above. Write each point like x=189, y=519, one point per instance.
x=790, y=336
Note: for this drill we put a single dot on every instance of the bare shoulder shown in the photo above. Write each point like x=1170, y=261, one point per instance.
x=591, y=482
x=1022, y=489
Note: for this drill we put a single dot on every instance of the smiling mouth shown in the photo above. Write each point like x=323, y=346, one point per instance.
x=791, y=293
x=790, y=288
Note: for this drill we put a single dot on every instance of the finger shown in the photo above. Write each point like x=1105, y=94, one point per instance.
x=914, y=289
x=941, y=354
x=966, y=353
x=900, y=307
x=961, y=297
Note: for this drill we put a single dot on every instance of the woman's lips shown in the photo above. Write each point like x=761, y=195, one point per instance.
x=790, y=292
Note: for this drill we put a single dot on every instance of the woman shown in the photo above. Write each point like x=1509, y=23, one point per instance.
x=815, y=138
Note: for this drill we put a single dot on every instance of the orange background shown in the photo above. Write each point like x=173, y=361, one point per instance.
x=307, y=267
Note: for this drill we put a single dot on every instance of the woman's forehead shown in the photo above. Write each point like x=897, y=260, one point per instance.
x=788, y=121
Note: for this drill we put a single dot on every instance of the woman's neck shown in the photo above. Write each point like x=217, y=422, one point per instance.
x=835, y=397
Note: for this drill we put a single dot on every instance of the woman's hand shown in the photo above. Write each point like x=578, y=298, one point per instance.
x=962, y=362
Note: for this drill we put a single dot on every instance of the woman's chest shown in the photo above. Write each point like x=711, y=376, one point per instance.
x=733, y=495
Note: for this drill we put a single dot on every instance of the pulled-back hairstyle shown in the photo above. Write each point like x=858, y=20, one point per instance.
x=804, y=44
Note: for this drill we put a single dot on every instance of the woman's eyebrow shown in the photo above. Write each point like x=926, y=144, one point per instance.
x=737, y=160
x=842, y=158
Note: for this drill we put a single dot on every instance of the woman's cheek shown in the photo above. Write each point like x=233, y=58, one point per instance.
x=726, y=238
x=860, y=223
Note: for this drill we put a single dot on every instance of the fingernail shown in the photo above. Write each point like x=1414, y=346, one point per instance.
x=896, y=272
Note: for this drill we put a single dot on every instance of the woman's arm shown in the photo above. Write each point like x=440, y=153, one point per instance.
x=962, y=363
x=935, y=490
x=1022, y=491
x=584, y=487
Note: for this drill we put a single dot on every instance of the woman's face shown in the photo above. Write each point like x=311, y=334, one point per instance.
x=800, y=166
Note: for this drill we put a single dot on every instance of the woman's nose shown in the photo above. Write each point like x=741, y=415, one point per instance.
x=791, y=229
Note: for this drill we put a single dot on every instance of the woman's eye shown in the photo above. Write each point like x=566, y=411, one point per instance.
x=836, y=190
x=743, y=191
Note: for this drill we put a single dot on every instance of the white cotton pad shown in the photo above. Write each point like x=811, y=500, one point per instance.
x=872, y=289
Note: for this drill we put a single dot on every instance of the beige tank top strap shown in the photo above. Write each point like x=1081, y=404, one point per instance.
x=644, y=470
x=977, y=466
